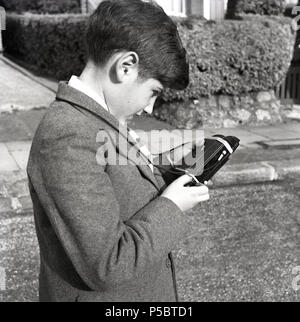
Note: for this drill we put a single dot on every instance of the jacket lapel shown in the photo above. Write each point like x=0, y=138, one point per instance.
x=86, y=104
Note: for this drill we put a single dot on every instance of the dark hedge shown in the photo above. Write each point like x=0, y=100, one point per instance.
x=261, y=7
x=52, y=44
x=236, y=56
x=42, y=6
x=229, y=57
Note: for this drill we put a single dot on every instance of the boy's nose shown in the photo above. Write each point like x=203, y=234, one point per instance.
x=149, y=109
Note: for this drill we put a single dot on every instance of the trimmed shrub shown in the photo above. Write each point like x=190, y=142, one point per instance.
x=42, y=6
x=261, y=7
x=52, y=44
x=229, y=57
x=235, y=57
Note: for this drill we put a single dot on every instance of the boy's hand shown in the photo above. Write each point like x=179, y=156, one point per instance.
x=185, y=197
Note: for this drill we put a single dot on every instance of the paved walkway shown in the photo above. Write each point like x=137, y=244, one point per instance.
x=17, y=130
x=20, y=92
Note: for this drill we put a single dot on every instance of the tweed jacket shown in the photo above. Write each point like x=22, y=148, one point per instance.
x=105, y=232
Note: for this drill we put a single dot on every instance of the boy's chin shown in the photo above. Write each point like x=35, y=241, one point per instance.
x=130, y=117
x=127, y=119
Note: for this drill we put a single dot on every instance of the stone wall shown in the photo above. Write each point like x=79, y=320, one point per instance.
x=223, y=111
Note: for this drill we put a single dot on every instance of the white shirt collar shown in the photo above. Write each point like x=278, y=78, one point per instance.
x=78, y=84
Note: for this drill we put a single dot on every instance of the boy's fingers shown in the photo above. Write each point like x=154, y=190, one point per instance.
x=201, y=190
x=208, y=183
x=204, y=198
x=184, y=179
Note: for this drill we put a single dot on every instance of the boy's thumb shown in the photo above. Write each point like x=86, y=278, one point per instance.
x=184, y=179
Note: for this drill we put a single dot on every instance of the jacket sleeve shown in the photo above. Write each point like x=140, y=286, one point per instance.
x=86, y=217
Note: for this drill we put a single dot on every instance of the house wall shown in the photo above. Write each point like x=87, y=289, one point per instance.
x=195, y=7
x=1, y=44
x=174, y=7
x=89, y=5
x=291, y=2
x=204, y=7
x=2, y=25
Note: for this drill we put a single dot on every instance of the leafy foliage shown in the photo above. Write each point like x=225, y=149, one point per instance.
x=42, y=6
x=261, y=7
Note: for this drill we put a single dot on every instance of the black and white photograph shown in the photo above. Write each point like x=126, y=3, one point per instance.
x=149, y=153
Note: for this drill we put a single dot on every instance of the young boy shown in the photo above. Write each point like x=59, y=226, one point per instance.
x=106, y=231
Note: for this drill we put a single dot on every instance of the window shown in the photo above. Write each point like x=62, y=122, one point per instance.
x=173, y=7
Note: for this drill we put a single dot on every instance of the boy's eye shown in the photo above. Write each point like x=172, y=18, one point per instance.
x=156, y=93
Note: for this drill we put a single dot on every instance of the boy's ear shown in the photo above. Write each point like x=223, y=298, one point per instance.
x=127, y=66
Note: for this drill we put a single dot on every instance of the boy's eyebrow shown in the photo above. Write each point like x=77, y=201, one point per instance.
x=159, y=89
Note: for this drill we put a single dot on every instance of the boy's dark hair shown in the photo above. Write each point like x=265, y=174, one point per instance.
x=142, y=27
